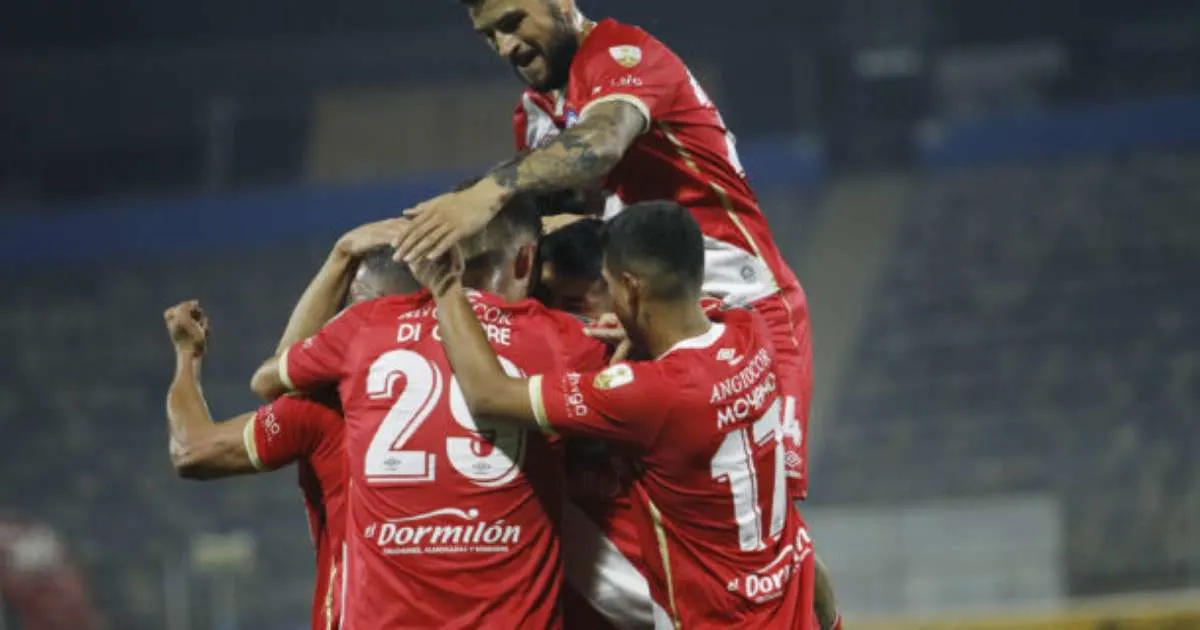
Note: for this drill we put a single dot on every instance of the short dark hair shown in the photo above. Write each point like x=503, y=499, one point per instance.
x=517, y=224
x=387, y=275
x=576, y=249
x=660, y=242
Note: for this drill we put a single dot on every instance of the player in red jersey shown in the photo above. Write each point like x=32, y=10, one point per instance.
x=306, y=431
x=608, y=103
x=453, y=519
x=606, y=583
x=291, y=429
x=723, y=547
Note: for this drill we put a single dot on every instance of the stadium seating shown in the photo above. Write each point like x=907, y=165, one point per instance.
x=1036, y=330
x=89, y=377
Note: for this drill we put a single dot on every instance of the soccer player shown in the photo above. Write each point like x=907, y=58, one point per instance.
x=725, y=550
x=453, y=518
x=607, y=102
x=303, y=430
x=570, y=270
x=606, y=584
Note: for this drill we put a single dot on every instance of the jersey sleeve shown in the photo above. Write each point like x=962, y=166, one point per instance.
x=520, y=120
x=320, y=359
x=626, y=402
x=582, y=353
x=636, y=69
x=288, y=429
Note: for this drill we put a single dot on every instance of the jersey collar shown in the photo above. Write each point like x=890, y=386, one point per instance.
x=699, y=342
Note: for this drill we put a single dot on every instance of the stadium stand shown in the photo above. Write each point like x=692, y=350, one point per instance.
x=1035, y=330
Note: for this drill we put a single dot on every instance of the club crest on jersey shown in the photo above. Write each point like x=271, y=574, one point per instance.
x=628, y=56
x=613, y=377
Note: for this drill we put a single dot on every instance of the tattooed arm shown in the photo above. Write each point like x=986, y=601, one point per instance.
x=579, y=156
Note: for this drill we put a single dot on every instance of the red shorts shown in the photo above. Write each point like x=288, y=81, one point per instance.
x=787, y=317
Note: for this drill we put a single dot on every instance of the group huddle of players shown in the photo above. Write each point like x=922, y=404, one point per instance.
x=599, y=427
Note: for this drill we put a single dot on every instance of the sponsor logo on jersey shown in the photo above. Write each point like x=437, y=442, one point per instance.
x=729, y=355
x=441, y=531
x=628, y=80
x=627, y=56
x=772, y=581
x=613, y=377
x=269, y=424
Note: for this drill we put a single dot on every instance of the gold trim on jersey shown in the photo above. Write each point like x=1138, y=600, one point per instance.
x=328, y=604
x=727, y=205
x=630, y=99
x=283, y=369
x=251, y=445
x=537, y=402
x=660, y=533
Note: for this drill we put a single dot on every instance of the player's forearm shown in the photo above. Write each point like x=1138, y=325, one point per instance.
x=187, y=411
x=267, y=381
x=321, y=300
x=487, y=389
x=824, y=600
x=580, y=155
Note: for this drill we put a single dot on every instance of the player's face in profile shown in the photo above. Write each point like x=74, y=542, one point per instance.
x=573, y=294
x=624, y=303
x=534, y=36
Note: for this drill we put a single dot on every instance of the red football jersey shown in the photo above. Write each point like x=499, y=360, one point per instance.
x=453, y=520
x=606, y=575
x=723, y=546
x=302, y=430
x=689, y=156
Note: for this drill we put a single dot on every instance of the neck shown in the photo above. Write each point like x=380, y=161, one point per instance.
x=668, y=323
x=490, y=281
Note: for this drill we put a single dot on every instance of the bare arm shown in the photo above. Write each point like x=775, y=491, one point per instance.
x=321, y=300
x=823, y=598
x=579, y=156
x=199, y=447
x=267, y=382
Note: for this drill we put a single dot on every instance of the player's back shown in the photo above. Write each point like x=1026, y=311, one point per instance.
x=308, y=430
x=453, y=520
x=322, y=480
x=730, y=548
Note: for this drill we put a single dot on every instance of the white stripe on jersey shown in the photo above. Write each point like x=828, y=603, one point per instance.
x=600, y=573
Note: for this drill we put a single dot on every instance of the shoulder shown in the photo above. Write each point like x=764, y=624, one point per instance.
x=304, y=407
x=610, y=32
x=624, y=45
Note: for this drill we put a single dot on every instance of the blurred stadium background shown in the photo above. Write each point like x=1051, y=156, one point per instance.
x=994, y=206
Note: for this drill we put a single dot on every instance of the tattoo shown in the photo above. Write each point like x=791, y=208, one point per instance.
x=579, y=156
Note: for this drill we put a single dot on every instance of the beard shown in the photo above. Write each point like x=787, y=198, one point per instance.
x=558, y=53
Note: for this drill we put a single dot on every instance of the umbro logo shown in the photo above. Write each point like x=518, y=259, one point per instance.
x=729, y=355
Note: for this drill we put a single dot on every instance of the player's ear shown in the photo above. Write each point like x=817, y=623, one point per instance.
x=524, y=263
x=634, y=290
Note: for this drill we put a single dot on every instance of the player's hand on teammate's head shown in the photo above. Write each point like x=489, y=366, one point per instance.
x=188, y=326
x=440, y=223
x=369, y=236
x=442, y=274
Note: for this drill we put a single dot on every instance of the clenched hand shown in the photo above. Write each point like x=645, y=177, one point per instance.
x=188, y=326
